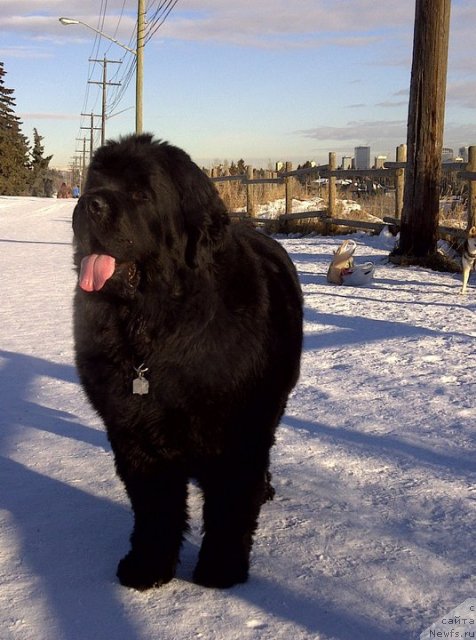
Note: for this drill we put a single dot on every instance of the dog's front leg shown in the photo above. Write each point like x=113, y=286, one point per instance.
x=158, y=499
x=464, y=286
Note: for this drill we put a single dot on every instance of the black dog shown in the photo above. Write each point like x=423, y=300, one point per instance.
x=188, y=333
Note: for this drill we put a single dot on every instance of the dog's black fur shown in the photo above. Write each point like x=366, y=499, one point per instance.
x=213, y=310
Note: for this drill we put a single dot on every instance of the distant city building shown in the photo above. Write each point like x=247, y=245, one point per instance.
x=463, y=154
x=379, y=162
x=362, y=157
x=279, y=166
x=447, y=155
x=346, y=162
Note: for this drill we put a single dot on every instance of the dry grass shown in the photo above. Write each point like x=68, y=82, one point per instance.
x=454, y=213
x=233, y=194
x=374, y=208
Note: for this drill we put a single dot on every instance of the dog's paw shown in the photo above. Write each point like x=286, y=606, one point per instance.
x=140, y=573
x=220, y=575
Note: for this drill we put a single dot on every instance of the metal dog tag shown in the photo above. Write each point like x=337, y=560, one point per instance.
x=140, y=385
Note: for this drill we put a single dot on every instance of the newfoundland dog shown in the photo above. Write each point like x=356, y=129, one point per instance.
x=188, y=334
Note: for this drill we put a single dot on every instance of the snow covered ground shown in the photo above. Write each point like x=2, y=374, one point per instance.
x=274, y=209
x=371, y=534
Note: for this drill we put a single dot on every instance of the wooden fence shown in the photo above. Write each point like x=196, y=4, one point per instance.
x=392, y=171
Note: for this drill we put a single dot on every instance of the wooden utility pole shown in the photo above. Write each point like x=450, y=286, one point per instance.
x=92, y=129
x=141, y=12
x=82, y=161
x=104, y=84
x=426, y=114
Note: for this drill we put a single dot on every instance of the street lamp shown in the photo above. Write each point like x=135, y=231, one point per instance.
x=138, y=52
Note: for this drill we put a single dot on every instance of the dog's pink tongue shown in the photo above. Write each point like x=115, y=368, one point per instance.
x=95, y=270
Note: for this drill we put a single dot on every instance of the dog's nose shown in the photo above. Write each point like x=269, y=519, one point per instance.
x=96, y=205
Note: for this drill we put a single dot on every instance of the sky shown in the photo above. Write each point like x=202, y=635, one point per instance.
x=260, y=81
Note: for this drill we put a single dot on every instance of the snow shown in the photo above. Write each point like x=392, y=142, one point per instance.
x=275, y=208
x=371, y=533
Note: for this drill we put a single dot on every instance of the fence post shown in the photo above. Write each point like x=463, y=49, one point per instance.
x=267, y=187
x=471, y=166
x=288, y=184
x=250, y=205
x=331, y=185
x=400, y=180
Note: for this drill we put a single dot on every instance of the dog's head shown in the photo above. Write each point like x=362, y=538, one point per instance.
x=145, y=206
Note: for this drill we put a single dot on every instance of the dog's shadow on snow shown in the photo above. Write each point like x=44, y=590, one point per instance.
x=70, y=540
x=357, y=330
x=65, y=537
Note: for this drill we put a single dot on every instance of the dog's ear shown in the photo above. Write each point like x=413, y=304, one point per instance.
x=204, y=214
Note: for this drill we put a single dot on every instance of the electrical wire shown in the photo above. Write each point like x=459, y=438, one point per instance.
x=158, y=19
x=157, y=13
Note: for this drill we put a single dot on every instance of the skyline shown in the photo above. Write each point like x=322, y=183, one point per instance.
x=263, y=82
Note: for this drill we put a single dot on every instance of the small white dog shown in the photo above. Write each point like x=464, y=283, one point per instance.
x=468, y=259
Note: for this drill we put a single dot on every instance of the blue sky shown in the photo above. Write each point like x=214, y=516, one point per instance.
x=263, y=81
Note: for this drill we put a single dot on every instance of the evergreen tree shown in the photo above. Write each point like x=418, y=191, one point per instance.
x=13, y=145
x=41, y=183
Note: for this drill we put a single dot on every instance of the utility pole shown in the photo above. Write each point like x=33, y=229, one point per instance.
x=82, y=161
x=104, y=84
x=138, y=52
x=75, y=167
x=92, y=129
x=426, y=113
x=140, y=63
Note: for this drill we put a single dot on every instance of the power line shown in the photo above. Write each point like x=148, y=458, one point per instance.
x=159, y=11
x=160, y=16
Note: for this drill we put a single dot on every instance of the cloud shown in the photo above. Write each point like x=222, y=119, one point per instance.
x=48, y=116
x=316, y=23
x=48, y=28
x=360, y=131
x=392, y=103
x=264, y=24
x=269, y=23
x=24, y=52
x=382, y=135
x=459, y=134
x=462, y=94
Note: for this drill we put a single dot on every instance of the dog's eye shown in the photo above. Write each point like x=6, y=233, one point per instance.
x=139, y=195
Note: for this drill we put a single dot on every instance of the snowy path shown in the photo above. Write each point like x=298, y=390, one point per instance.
x=371, y=535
